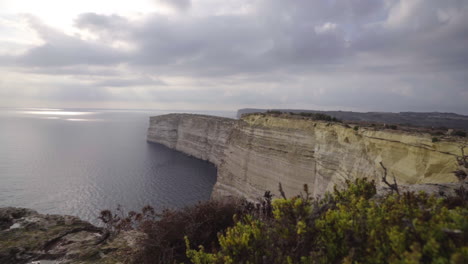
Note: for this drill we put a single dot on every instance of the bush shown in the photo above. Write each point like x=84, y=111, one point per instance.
x=319, y=116
x=345, y=226
x=356, y=128
x=438, y=133
x=274, y=112
x=165, y=231
x=434, y=139
x=348, y=226
x=459, y=133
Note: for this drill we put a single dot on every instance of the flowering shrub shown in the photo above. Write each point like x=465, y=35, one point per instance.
x=348, y=226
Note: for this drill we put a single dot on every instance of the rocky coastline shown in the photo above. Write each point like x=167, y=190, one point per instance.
x=27, y=236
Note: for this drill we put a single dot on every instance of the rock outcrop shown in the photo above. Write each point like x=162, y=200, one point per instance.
x=259, y=151
x=29, y=237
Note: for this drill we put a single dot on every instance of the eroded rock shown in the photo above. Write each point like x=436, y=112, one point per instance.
x=27, y=236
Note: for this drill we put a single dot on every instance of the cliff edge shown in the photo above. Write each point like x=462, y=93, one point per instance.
x=259, y=151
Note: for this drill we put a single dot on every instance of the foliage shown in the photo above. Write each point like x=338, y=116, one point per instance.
x=319, y=116
x=394, y=127
x=434, y=139
x=437, y=133
x=347, y=226
x=115, y=222
x=351, y=225
x=459, y=133
x=164, y=232
x=274, y=112
x=313, y=116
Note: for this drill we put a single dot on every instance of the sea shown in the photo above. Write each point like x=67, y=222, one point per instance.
x=81, y=161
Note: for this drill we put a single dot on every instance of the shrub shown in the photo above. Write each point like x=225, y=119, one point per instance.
x=356, y=128
x=434, y=139
x=347, y=226
x=274, y=112
x=459, y=133
x=165, y=231
x=438, y=133
x=320, y=116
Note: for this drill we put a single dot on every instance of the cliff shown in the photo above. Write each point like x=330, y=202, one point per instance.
x=258, y=152
x=201, y=136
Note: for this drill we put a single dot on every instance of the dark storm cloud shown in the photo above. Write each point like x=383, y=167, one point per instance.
x=389, y=55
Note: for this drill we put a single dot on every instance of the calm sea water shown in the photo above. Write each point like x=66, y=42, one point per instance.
x=78, y=162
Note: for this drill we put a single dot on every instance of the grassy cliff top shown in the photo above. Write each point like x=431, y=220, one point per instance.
x=310, y=120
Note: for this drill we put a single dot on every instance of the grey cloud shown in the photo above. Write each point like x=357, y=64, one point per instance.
x=118, y=82
x=181, y=5
x=60, y=50
x=423, y=38
x=101, y=24
x=279, y=35
x=74, y=92
x=360, y=52
x=75, y=70
x=69, y=54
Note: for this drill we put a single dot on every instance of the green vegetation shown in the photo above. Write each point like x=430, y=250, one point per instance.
x=459, y=133
x=434, y=139
x=164, y=232
x=346, y=226
x=274, y=112
x=394, y=127
x=313, y=116
x=319, y=116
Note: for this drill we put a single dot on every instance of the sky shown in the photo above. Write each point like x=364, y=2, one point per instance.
x=358, y=55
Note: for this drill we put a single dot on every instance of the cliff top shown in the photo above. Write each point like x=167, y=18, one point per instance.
x=179, y=115
x=280, y=119
x=414, y=119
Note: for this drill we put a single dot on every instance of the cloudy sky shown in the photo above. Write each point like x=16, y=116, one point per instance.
x=363, y=55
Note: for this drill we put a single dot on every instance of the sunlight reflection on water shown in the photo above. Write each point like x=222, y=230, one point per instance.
x=60, y=113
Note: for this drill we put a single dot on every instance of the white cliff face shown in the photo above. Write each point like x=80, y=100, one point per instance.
x=200, y=136
x=257, y=153
x=264, y=151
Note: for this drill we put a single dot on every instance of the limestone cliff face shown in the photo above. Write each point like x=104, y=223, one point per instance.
x=201, y=136
x=264, y=150
x=259, y=152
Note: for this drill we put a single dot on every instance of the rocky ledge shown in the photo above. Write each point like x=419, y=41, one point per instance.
x=29, y=237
